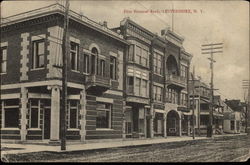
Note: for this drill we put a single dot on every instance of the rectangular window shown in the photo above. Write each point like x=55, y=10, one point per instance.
x=144, y=88
x=104, y=113
x=86, y=65
x=102, y=68
x=130, y=87
x=113, y=68
x=34, y=113
x=74, y=55
x=158, y=91
x=3, y=59
x=73, y=114
x=11, y=113
x=158, y=63
x=137, y=86
x=38, y=54
x=141, y=56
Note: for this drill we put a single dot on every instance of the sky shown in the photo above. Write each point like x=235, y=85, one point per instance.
x=224, y=22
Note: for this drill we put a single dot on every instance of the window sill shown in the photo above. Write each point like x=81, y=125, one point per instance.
x=73, y=129
x=36, y=69
x=104, y=129
x=76, y=71
x=10, y=129
x=3, y=73
x=34, y=129
x=158, y=74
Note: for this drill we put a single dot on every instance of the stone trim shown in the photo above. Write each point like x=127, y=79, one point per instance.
x=24, y=56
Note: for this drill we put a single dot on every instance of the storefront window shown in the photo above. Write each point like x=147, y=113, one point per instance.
x=103, y=118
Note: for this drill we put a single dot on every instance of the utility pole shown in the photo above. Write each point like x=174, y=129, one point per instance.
x=193, y=107
x=211, y=49
x=199, y=107
x=246, y=85
x=65, y=53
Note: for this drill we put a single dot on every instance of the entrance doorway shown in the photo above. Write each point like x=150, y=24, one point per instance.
x=46, y=124
x=173, y=123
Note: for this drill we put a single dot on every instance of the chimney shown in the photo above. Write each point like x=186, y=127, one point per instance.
x=105, y=24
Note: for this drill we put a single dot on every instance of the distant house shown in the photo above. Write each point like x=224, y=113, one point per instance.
x=232, y=118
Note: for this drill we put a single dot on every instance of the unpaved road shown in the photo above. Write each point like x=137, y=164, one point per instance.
x=214, y=150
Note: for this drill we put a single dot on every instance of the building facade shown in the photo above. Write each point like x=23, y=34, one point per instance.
x=31, y=77
x=125, y=82
x=156, y=82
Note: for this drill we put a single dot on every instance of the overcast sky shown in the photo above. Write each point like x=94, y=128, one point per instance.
x=215, y=21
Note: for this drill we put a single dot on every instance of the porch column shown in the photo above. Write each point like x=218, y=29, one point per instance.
x=55, y=113
x=164, y=125
x=83, y=114
x=24, y=111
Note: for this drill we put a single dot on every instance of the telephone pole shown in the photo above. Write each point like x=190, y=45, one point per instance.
x=246, y=86
x=211, y=49
x=65, y=53
x=193, y=107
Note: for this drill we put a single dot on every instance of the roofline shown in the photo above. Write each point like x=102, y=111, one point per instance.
x=58, y=8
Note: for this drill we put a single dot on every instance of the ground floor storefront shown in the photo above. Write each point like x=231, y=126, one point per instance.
x=33, y=113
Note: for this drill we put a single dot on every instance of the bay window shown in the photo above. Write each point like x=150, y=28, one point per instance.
x=158, y=63
x=141, y=56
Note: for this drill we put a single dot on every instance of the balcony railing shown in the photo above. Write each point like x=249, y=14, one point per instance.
x=176, y=80
x=98, y=81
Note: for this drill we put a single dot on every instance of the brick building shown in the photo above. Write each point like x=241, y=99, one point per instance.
x=156, y=82
x=31, y=77
x=124, y=82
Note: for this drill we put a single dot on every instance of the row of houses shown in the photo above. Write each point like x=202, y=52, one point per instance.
x=125, y=82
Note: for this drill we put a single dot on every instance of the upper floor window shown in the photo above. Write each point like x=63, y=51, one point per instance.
x=113, y=68
x=158, y=63
x=158, y=93
x=74, y=55
x=142, y=56
x=38, y=54
x=86, y=64
x=140, y=87
x=3, y=60
x=102, y=68
x=183, y=71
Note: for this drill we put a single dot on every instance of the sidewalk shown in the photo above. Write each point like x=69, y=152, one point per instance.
x=7, y=148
